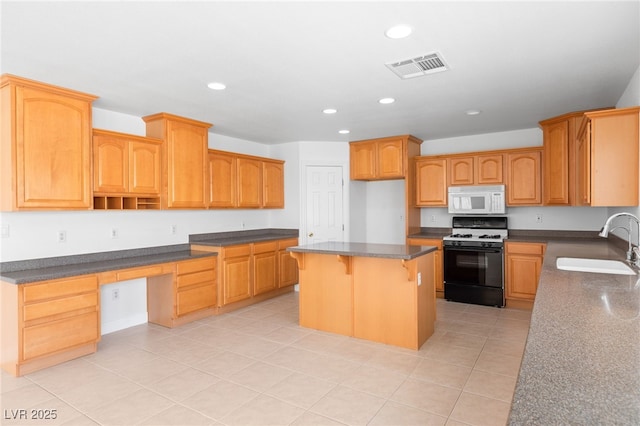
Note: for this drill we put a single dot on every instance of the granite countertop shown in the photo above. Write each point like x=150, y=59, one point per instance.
x=34, y=270
x=390, y=251
x=221, y=239
x=581, y=363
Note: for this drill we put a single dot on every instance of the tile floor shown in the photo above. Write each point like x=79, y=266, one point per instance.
x=256, y=366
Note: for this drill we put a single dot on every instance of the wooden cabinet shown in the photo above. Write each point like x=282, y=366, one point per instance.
x=252, y=272
x=45, y=139
x=195, y=286
x=559, y=135
x=438, y=259
x=380, y=159
x=523, y=185
x=49, y=322
x=287, y=265
x=431, y=181
x=184, y=160
x=607, y=158
x=479, y=169
x=522, y=270
x=243, y=181
x=126, y=170
x=265, y=267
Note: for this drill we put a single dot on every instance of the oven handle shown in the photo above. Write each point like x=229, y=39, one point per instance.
x=476, y=249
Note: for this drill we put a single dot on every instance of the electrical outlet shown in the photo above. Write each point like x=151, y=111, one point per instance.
x=433, y=218
x=115, y=294
x=173, y=229
x=538, y=217
x=114, y=233
x=242, y=224
x=62, y=236
x=4, y=230
x=419, y=278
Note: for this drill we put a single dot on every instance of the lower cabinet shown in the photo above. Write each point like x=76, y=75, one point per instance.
x=249, y=273
x=49, y=322
x=438, y=269
x=522, y=271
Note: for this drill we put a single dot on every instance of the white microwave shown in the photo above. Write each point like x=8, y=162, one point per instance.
x=485, y=199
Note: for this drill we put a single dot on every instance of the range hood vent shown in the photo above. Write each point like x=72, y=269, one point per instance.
x=419, y=66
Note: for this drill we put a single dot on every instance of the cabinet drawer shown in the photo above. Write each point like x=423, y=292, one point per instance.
x=265, y=247
x=189, y=266
x=425, y=242
x=236, y=251
x=54, y=336
x=525, y=248
x=204, y=277
x=60, y=288
x=194, y=299
x=146, y=271
x=60, y=306
x=290, y=242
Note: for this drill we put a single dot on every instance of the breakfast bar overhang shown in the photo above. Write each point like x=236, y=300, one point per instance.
x=379, y=292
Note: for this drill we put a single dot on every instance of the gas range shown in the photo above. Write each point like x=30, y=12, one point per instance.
x=474, y=231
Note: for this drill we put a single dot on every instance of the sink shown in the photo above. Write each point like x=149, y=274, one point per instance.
x=601, y=266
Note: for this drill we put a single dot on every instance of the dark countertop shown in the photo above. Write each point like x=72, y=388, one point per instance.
x=28, y=271
x=221, y=239
x=582, y=357
x=390, y=251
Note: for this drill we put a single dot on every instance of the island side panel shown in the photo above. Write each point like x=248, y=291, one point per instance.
x=326, y=293
x=389, y=306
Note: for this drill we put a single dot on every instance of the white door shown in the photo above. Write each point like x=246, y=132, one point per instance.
x=324, y=215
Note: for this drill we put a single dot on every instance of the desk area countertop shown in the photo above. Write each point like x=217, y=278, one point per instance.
x=389, y=251
x=582, y=357
x=28, y=271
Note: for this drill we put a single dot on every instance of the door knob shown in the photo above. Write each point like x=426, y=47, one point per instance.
x=310, y=234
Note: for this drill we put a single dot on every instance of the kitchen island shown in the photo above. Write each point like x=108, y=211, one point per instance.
x=581, y=363
x=379, y=292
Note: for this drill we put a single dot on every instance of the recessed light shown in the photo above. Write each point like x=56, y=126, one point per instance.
x=329, y=110
x=344, y=132
x=398, y=31
x=216, y=86
x=473, y=112
x=386, y=101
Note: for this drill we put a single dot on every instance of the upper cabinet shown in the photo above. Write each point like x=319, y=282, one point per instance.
x=431, y=181
x=480, y=169
x=607, y=158
x=558, y=178
x=45, y=141
x=523, y=186
x=381, y=159
x=244, y=181
x=185, y=160
x=126, y=170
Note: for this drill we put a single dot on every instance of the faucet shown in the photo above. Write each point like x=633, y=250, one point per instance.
x=633, y=253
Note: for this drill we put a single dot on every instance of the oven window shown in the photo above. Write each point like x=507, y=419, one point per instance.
x=473, y=267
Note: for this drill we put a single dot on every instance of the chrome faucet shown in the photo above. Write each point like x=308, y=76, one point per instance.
x=633, y=253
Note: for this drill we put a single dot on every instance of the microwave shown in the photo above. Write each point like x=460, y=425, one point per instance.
x=485, y=199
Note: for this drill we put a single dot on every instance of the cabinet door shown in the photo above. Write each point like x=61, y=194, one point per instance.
x=144, y=168
x=265, y=267
x=222, y=180
x=237, y=278
x=273, y=184
x=488, y=169
x=523, y=178
x=187, y=161
x=249, y=182
x=195, y=298
x=362, y=160
x=390, y=160
x=53, y=153
x=431, y=182
x=556, y=163
x=110, y=164
x=288, y=266
x=461, y=171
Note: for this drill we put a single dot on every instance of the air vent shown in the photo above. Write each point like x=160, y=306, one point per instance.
x=421, y=65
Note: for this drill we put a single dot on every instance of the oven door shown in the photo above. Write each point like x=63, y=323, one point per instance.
x=474, y=275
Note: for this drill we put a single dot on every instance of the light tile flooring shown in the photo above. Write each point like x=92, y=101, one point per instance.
x=256, y=366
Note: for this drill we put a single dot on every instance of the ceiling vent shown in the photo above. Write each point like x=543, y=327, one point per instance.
x=421, y=65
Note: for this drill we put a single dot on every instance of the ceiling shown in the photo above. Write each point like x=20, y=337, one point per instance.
x=284, y=62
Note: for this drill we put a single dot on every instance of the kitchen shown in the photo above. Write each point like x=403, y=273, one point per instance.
x=29, y=235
